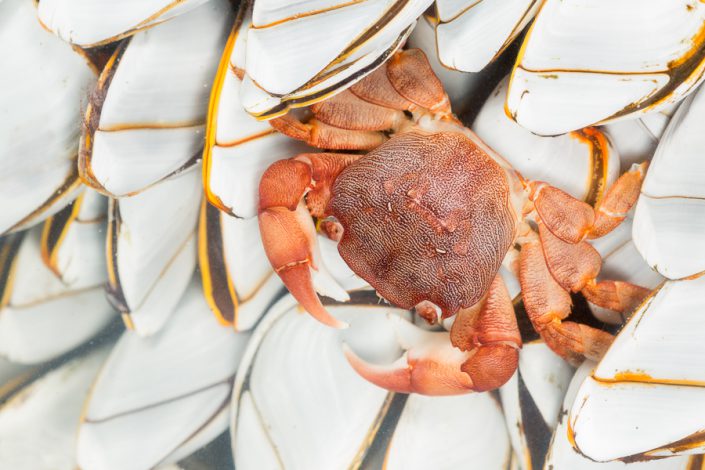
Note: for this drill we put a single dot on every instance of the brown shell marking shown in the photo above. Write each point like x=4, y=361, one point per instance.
x=426, y=216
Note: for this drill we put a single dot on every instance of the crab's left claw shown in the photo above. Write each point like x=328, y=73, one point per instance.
x=289, y=238
x=432, y=366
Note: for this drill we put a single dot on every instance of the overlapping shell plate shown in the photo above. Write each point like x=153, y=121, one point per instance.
x=140, y=319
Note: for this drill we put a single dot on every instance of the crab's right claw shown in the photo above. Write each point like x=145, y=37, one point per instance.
x=288, y=234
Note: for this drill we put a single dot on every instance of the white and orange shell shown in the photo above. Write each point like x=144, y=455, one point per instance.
x=35, y=303
x=571, y=74
x=669, y=228
x=171, y=391
x=300, y=53
x=470, y=34
x=131, y=143
x=644, y=398
x=44, y=85
x=91, y=23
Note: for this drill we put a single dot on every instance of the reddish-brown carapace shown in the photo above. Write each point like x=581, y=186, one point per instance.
x=427, y=217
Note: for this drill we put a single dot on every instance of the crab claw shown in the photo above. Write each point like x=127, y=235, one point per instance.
x=289, y=238
x=430, y=365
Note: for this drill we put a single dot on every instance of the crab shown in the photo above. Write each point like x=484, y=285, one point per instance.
x=427, y=218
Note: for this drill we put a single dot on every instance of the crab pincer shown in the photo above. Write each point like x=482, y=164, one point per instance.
x=482, y=354
x=287, y=230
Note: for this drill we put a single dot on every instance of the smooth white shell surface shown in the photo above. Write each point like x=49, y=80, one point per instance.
x=154, y=394
x=78, y=258
x=531, y=401
x=294, y=359
x=38, y=425
x=669, y=223
x=152, y=120
x=562, y=455
x=92, y=22
x=570, y=75
x=432, y=433
x=646, y=394
x=45, y=84
x=474, y=34
x=155, y=248
x=566, y=162
x=44, y=317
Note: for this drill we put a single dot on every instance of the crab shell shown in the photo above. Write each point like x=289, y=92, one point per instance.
x=438, y=208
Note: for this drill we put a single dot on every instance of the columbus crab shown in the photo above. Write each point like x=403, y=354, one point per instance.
x=427, y=218
x=138, y=181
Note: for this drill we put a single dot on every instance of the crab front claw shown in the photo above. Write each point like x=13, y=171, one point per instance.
x=289, y=238
x=432, y=366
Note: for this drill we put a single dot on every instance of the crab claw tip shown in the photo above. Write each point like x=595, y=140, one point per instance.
x=395, y=377
x=325, y=317
x=432, y=369
x=297, y=279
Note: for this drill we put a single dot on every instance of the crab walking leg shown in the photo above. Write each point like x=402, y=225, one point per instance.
x=563, y=224
x=320, y=135
x=566, y=217
x=377, y=89
x=346, y=111
x=548, y=304
x=573, y=220
x=618, y=201
x=406, y=83
x=354, y=119
x=410, y=73
x=576, y=265
x=620, y=296
x=486, y=355
x=288, y=232
x=573, y=265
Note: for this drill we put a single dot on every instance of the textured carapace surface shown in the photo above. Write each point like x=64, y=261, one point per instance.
x=426, y=216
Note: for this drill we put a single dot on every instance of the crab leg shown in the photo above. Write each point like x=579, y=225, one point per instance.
x=321, y=135
x=287, y=230
x=376, y=88
x=486, y=355
x=566, y=217
x=622, y=297
x=406, y=82
x=412, y=76
x=564, y=222
x=347, y=111
x=572, y=220
x=547, y=304
x=573, y=265
x=618, y=201
x=354, y=119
